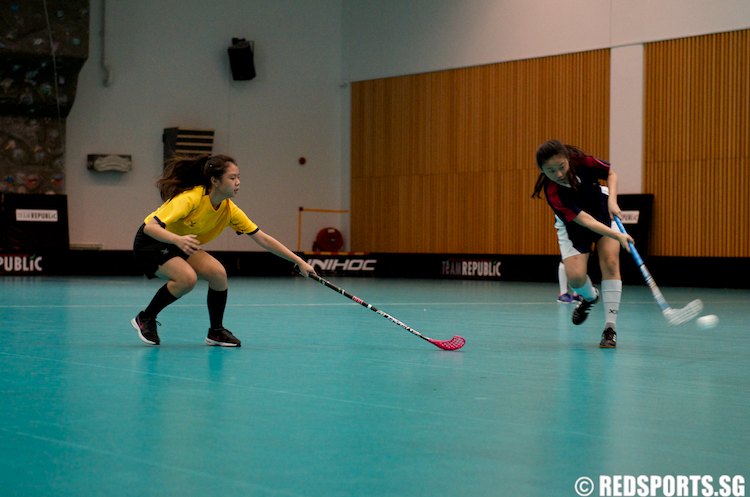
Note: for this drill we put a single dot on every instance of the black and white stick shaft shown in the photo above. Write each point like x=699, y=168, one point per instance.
x=454, y=343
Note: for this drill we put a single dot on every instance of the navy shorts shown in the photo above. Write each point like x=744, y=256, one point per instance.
x=574, y=239
x=150, y=253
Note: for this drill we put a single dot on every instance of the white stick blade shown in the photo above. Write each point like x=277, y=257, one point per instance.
x=688, y=313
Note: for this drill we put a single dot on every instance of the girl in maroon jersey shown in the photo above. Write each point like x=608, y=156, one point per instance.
x=571, y=180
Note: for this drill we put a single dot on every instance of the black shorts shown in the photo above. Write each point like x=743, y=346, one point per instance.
x=150, y=253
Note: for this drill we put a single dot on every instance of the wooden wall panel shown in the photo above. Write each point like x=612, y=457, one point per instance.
x=444, y=161
x=697, y=144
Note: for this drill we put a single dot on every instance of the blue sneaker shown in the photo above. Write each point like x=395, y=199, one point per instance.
x=568, y=298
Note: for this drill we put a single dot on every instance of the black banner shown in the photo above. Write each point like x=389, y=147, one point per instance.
x=33, y=223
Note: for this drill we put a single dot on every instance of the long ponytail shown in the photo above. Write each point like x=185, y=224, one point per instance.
x=182, y=173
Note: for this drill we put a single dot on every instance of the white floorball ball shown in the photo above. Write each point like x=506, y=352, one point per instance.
x=707, y=322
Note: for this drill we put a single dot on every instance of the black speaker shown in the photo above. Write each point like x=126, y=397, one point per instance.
x=241, y=59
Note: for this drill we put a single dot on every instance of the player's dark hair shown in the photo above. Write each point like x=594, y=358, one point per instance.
x=181, y=173
x=545, y=152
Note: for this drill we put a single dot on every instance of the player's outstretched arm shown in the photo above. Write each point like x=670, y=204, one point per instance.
x=277, y=248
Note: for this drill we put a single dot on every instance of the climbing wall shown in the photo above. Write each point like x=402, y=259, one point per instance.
x=43, y=45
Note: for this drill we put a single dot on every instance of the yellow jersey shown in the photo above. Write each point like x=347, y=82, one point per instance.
x=191, y=213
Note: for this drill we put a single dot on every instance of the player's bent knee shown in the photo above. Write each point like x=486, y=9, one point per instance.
x=186, y=281
x=216, y=275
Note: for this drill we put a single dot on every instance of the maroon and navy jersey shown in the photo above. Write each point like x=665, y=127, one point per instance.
x=567, y=202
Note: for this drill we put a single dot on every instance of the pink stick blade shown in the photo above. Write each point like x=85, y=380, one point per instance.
x=454, y=343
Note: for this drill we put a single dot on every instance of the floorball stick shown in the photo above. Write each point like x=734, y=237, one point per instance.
x=454, y=343
x=673, y=316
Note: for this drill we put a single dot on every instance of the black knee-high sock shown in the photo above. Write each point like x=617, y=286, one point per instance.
x=161, y=300
x=217, y=302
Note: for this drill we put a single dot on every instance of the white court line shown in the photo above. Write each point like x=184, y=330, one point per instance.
x=344, y=304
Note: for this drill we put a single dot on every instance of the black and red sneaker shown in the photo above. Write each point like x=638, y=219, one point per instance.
x=222, y=337
x=146, y=328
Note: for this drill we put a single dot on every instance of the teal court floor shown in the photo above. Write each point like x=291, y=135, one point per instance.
x=326, y=398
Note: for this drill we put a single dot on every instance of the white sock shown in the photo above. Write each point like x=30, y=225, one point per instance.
x=562, y=278
x=611, y=295
x=587, y=291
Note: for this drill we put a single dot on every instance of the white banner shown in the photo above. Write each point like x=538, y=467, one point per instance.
x=37, y=215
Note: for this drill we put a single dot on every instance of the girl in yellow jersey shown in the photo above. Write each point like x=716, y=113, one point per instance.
x=168, y=245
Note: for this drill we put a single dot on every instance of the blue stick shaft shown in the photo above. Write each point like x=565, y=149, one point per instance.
x=663, y=304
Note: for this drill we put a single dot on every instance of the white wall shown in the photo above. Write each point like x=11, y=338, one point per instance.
x=395, y=37
x=169, y=67
x=626, y=116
